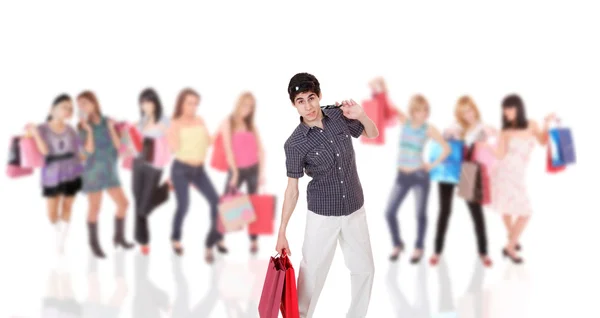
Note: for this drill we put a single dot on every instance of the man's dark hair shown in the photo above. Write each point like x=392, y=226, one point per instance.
x=302, y=83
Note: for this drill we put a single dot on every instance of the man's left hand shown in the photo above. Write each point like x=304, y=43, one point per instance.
x=352, y=109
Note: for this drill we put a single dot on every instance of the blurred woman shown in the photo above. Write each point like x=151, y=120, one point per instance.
x=101, y=142
x=148, y=193
x=473, y=133
x=61, y=174
x=413, y=173
x=244, y=151
x=509, y=192
x=189, y=140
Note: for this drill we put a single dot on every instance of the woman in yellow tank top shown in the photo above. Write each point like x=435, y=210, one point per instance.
x=189, y=141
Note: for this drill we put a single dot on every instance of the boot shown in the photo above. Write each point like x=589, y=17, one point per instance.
x=119, y=238
x=93, y=240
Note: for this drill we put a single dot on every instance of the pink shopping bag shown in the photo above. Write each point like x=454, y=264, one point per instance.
x=13, y=171
x=270, y=299
x=30, y=154
x=161, y=152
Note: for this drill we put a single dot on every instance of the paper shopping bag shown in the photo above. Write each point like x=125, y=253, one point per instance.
x=270, y=299
x=235, y=212
x=550, y=168
x=467, y=186
x=29, y=153
x=449, y=170
x=161, y=152
x=264, y=208
x=289, y=298
x=218, y=159
x=566, y=146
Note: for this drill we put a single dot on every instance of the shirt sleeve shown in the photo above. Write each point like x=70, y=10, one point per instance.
x=355, y=126
x=293, y=162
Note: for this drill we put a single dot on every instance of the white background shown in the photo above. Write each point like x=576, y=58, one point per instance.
x=546, y=52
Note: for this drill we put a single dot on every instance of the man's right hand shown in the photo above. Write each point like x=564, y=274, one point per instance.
x=282, y=244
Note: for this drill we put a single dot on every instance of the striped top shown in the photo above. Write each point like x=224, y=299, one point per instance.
x=412, y=143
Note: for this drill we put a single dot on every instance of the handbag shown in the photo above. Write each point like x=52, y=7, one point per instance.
x=235, y=211
x=264, y=208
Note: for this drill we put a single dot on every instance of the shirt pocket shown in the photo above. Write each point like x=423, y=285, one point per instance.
x=319, y=159
x=344, y=142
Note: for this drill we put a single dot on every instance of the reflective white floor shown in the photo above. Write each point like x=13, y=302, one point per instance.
x=559, y=278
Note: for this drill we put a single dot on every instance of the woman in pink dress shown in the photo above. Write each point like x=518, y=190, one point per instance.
x=509, y=192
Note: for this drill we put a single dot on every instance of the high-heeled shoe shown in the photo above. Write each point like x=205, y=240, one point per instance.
x=178, y=250
x=209, y=258
x=222, y=249
x=434, y=260
x=395, y=255
x=416, y=259
x=514, y=259
x=486, y=260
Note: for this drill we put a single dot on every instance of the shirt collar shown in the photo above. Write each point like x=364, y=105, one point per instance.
x=305, y=128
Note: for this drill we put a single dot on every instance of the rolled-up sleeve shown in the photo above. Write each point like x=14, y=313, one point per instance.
x=356, y=127
x=294, y=163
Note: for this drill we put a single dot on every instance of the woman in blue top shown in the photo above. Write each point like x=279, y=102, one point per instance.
x=147, y=191
x=413, y=172
x=101, y=142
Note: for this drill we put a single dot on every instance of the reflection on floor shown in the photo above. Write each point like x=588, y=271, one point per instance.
x=237, y=286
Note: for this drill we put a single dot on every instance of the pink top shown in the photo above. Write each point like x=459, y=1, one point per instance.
x=245, y=149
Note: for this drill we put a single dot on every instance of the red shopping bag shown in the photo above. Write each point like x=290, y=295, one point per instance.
x=218, y=159
x=485, y=185
x=270, y=299
x=375, y=111
x=289, y=298
x=551, y=168
x=264, y=208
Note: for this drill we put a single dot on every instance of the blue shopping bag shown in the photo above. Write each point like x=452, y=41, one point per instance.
x=449, y=170
x=562, y=149
x=566, y=146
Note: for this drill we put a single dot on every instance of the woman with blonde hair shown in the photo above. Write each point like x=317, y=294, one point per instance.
x=471, y=131
x=189, y=139
x=244, y=150
x=413, y=172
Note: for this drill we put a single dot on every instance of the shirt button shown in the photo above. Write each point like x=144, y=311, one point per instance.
x=340, y=168
x=338, y=154
x=343, y=196
x=331, y=141
x=342, y=181
x=346, y=136
x=317, y=153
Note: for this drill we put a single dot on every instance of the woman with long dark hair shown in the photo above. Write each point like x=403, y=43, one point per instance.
x=148, y=193
x=509, y=192
x=189, y=140
x=101, y=142
x=244, y=151
x=61, y=174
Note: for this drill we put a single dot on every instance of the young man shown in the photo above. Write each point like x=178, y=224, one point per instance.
x=321, y=146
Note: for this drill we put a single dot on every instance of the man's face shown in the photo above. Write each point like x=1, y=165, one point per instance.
x=308, y=105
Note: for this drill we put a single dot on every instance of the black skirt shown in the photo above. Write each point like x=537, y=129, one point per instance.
x=67, y=188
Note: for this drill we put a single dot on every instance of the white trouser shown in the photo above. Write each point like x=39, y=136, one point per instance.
x=320, y=241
